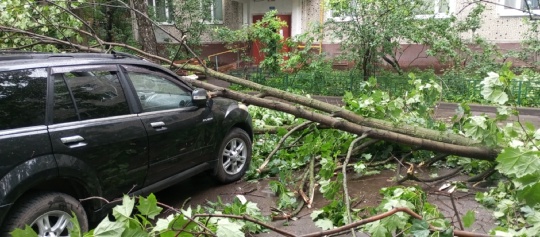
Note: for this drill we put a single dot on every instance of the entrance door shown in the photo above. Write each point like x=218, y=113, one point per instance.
x=285, y=31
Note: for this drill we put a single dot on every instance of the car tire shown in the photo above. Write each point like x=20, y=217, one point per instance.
x=47, y=214
x=234, y=156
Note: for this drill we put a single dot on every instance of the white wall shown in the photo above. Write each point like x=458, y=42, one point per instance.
x=496, y=27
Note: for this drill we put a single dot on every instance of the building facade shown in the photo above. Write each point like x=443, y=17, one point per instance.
x=502, y=22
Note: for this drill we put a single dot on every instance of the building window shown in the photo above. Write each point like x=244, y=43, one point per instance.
x=345, y=10
x=436, y=9
x=342, y=10
x=215, y=11
x=519, y=7
x=161, y=10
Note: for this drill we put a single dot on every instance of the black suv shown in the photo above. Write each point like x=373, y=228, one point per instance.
x=74, y=126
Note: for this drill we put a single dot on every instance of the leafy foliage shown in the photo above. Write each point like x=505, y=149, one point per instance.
x=140, y=220
x=47, y=19
x=369, y=32
x=266, y=33
x=190, y=18
x=413, y=198
x=240, y=207
x=518, y=161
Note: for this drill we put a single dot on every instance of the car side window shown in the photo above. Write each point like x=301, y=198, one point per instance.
x=88, y=94
x=156, y=92
x=22, y=98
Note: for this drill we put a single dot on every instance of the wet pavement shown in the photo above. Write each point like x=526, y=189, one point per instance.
x=364, y=190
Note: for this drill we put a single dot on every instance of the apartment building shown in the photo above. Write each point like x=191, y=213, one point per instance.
x=502, y=22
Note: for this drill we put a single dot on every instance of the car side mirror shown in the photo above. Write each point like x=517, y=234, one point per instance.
x=199, y=97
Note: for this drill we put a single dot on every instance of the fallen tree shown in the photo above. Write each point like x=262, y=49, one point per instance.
x=415, y=136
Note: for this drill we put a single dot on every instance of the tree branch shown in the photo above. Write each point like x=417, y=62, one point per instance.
x=345, y=189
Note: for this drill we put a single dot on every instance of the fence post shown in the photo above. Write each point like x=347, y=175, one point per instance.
x=519, y=93
x=217, y=66
x=351, y=78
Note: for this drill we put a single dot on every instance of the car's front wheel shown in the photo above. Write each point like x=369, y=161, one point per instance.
x=48, y=214
x=234, y=156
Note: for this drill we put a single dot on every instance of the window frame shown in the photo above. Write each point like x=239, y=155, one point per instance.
x=63, y=70
x=503, y=11
x=437, y=14
x=341, y=18
x=168, y=11
x=128, y=68
x=40, y=115
x=212, y=20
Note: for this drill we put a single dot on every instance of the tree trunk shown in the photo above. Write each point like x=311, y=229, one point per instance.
x=336, y=111
x=147, y=38
x=482, y=153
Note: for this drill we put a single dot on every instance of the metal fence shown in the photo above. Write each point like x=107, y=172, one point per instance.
x=336, y=83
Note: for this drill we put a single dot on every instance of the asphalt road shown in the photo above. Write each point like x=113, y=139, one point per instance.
x=530, y=115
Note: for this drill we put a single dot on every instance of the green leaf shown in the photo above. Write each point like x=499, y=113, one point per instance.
x=377, y=229
x=163, y=223
x=182, y=223
x=475, y=127
x=325, y=224
x=226, y=228
x=495, y=96
x=315, y=214
x=123, y=212
x=469, y=219
x=393, y=223
x=26, y=232
x=393, y=203
x=329, y=189
x=174, y=224
x=493, y=89
x=531, y=194
x=169, y=233
x=75, y=230
x=420, y=228
x=132, y=232
x=148, y=206
x=109, y=229
x=281, y=131
x=518, y=163
x=447, y=233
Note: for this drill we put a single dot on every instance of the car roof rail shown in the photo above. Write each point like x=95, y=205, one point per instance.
x=6, y=55
x=118, y=54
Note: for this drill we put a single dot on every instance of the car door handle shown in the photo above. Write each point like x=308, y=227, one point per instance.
x=73, y=141
x=159, y=126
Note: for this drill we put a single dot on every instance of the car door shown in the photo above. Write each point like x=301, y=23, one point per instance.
x=92, y=125
x=24, y=143
x=178, y=131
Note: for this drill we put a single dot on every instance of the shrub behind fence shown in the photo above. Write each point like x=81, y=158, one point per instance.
x=335, y=83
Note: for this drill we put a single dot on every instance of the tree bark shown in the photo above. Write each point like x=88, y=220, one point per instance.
x=147, y=37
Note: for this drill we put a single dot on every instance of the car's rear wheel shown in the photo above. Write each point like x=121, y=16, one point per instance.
x=48, y=214
x=234, y=156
